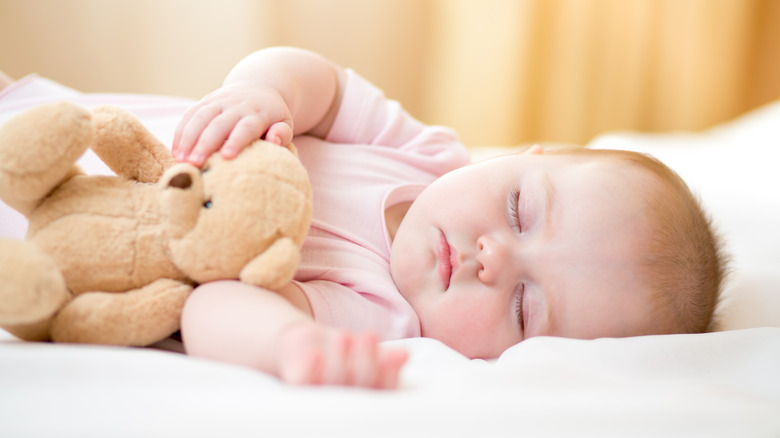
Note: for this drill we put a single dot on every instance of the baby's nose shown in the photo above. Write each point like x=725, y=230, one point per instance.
x=493, y=257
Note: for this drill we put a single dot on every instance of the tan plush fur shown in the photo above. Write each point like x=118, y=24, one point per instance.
x=111, y=260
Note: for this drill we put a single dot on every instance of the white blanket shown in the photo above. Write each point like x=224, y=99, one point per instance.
x=718, y=384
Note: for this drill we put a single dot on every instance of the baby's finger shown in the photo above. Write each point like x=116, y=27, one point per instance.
x=176, y=146
x=390, y=363
x=336, y=362
x=280, y=133
x=183, y=122
x=213, y=137
x=247, y=130
x=191, y=129
x=365, y=361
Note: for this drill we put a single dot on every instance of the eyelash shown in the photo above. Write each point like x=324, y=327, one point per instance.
x=519, y=298
x=514, y=209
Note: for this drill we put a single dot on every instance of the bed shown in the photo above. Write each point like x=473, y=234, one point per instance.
x=725, y=383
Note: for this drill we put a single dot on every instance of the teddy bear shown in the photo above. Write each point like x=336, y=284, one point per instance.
x=111, y=259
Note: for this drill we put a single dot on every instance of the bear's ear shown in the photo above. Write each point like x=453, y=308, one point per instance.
x=127, y=146
x=181, y=199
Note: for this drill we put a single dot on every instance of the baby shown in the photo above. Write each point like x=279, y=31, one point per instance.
x=408, y=239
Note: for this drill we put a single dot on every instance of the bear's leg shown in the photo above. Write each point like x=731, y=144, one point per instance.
x=32, y=290
x=38, y=151
x=34, y=331
x=138, y=317
x=275, y=267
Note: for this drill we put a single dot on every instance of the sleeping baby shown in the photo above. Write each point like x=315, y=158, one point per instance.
x=408, y=239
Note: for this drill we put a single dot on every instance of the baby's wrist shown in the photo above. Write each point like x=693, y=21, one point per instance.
x=298, y=333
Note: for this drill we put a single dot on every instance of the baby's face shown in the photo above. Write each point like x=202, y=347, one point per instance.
x=525, y=245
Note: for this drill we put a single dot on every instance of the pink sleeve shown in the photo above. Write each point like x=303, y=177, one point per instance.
x=366, y=116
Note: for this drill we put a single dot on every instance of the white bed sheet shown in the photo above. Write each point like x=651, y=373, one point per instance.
x=715, y=385
x=719, y=384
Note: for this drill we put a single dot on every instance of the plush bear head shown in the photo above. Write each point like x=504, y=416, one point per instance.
x=221, y=217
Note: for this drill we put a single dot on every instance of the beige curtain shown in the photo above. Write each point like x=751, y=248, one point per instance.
x=499, y=71
x=570, y=69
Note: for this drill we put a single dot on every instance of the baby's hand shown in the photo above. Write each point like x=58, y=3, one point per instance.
x=313, y=354
x=228, y=120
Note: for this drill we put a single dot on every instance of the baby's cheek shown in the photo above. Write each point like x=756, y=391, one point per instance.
x=461, y=325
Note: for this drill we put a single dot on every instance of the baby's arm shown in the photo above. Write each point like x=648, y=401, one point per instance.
x=274, y=94
x=274, y=332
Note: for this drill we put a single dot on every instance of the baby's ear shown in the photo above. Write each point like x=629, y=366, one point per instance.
x=536, y=149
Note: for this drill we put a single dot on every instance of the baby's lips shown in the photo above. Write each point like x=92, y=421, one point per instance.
x=444, y=266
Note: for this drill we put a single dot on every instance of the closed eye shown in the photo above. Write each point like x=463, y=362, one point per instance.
x=519, y=298
x=513, y=201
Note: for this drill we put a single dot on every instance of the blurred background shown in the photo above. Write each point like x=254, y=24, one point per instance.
x=501, y=72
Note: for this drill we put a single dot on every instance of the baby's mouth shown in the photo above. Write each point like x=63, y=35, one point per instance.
x=445, y=264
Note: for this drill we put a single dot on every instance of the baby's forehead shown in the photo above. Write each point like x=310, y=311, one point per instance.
x=612, y=168
x=611, y=195
x=628, y=175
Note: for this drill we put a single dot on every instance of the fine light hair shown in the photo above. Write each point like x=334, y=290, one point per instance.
x=683, y=264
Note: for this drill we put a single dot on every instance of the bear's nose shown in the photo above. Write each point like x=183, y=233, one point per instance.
x=181, y=181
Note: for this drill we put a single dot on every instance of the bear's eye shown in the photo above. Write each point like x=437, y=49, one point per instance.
x=207, y=204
